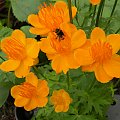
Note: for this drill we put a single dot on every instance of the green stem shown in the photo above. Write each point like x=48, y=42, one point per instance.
x=114, y=6
x=76, y=17
x=75, y=3
x=117, y=31
x=93, y=14
x=116, y=84
x=113, y=9
x=99, y=13
x=102, y=8
x=70, y=11
x=68, y=80
x=2, y=58
x=8, y=20
x=90, y=7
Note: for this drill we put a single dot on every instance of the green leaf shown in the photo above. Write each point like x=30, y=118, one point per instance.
x=23, y=8
x=4, y=91
x=5, y=32
x=86, y=117
x=25, y=29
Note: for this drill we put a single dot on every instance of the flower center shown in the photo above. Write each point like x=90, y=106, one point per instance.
x=51, y=16
x=27, y=90
x=13, y=48
x=60, y=41
x=101, y=52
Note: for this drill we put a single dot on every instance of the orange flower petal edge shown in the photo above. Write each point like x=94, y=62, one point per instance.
x=95, y=2
x=61, y=100
x=21, y=53
x=30, y=94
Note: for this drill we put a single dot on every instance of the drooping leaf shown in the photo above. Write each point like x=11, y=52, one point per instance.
x=22, y=8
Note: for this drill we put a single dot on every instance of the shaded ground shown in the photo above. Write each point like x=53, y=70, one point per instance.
x=7, y=110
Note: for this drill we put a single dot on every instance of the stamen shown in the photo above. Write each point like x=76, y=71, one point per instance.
x=101, y=51
x=51, y=16
x=60, y=41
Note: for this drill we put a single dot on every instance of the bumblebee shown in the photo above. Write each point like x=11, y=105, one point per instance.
x=60, y=34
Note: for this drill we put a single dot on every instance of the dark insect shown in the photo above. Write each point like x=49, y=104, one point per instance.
x=60, y=34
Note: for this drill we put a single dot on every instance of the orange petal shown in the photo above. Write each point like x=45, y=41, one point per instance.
x=83, y=57
x=101, y=75
x=74, y=11
x=22, y=70
x=112, y=67
x=32, y=48
x=51, y=56
x=43, y=89
x=78, y=39
x=46, y=46
x=114, y=39
x=32, y=79
x=59, y=108
x=68, y=28
x=28, y=61
x=66, y=14
x=87, y=44
x=60, y=64
x=64, y=62
x=42, y=101
x=21, y=101
x=97, y=34
x=39, y=31
x=90, y=68
x=66, y=107
x=34, y=21
x=95, y=2
x=9, y=65
x=14, y=91
x=32, y=104
x=61, y=5
x=70, y=60
x=18, y=34
x=36, y=61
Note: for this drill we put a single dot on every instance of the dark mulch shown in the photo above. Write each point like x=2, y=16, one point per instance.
x=7, y=110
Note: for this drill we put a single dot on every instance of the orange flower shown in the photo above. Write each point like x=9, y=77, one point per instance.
x=101, y=56
x=61, y=100
x=21, y=52
x=95, y=2
x=50, y=17
x=60, y=45
x=30, y=94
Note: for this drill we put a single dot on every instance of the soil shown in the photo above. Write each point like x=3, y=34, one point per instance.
x=7, y=110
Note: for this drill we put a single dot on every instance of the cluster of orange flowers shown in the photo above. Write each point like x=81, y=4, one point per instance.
x=66, y=46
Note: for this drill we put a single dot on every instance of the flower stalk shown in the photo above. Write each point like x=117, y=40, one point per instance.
x=2, y=58
x=68, y=80
x=114, y=6
x=99, y=13
x=70, y=11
